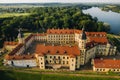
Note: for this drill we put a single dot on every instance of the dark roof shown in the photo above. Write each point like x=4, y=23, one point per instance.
x=83, y=34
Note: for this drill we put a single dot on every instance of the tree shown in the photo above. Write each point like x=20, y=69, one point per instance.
x=100, y=26
x=95, y=19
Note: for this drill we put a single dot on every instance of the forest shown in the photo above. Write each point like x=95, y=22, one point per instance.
x=43, y=18
x=114, y=8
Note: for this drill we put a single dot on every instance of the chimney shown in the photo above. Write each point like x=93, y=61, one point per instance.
x=28, y=53
x=52, y=44
x=44, y=44
x=53, y=28
x=101, y=58
x=114, y=58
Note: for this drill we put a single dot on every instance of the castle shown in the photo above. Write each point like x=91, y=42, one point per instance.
x=61, y=49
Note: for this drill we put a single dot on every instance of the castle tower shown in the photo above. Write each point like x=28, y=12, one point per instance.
x=82, y=46
x=20, y=36
x=82, y=39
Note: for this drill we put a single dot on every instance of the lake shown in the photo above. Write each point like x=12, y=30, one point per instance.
x=110, y=17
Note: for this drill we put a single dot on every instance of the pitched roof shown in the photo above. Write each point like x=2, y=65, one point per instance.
x=101, y=40
x=77, y=31
x=96, y=34
x=60, y=31
x=11, y=43
x=40, y=34
x=57, y=50
x=16, y=49
x=106, y=63
x=19, y=57
x=29, y=37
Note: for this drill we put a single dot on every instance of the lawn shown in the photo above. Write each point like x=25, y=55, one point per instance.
x=15, y=75
x=5, y=15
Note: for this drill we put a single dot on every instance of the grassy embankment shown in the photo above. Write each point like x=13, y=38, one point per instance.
x=113, y=8
x=16, y=75
x=24, y=74
x=115, y=40
x=5, y=15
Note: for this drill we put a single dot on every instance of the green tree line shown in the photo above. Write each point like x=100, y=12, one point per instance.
x=42, y=18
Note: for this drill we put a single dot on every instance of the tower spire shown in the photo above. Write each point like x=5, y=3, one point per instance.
x=82, y=43
x=83, y=34
x=20, y=36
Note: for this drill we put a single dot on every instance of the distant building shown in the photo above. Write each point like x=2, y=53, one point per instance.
x=106, y=65
x=88, y=45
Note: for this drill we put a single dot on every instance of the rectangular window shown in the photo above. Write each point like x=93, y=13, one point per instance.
x=63, y=62
x=41, y=62
x=45, y=56
x=72, y=60
x=58, y=57
x=67, y=57
x=67, y=62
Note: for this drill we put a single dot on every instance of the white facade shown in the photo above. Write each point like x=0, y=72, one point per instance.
x=23, y=63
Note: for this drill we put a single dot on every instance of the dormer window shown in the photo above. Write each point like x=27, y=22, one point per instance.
x=48, y=51
x=13, y=58
x=23, y=57
x=57, y=51
x=65, y=52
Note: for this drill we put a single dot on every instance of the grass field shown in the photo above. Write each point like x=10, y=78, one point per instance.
x=5, y=15
x=14, y=75
x=114, y=40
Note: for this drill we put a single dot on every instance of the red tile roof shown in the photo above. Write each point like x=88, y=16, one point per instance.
x=19, y=57
x=16, y=49
x=57, y=50
x=40, y=34
x=96, y=34
x=77, y=31
x=11, y=43
x=60, y=31
x=101, y=40
x=106, y=63
x=72, y=31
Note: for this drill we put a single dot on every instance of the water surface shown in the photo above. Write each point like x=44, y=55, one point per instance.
x=109, y=17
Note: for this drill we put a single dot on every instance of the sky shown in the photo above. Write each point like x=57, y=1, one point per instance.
x=63, y=1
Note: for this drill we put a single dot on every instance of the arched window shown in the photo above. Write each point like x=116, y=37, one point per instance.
x=12, y=62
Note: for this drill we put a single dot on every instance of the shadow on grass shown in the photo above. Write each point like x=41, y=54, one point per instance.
x=6, y=75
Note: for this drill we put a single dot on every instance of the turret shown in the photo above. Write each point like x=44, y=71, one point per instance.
x=20, y=36
x=82, y=39
x=82, y=46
